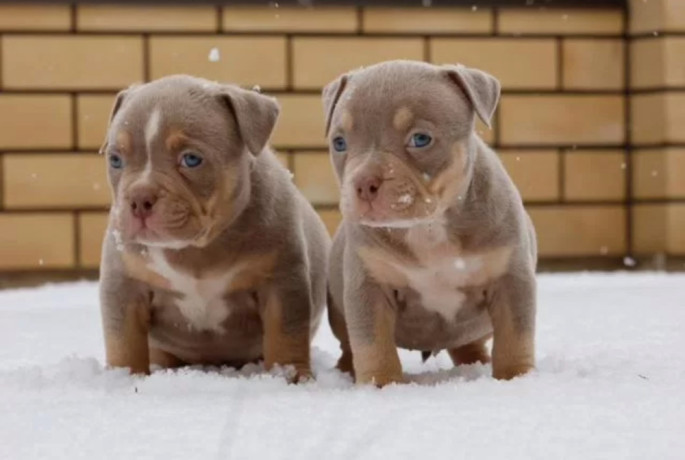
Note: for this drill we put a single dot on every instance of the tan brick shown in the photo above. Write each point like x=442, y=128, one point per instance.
x=317, y=61
x=36, y=241
x=658, y=118
x=93, y=117
x=676, y=224
x=647, y=66
x=594, y=175
x=71, y=62
x=576, y=119
x=331, y=218
x=561, y=22
x=646, y=16
x=657, y=16
x=675, y=173
x=535, y=173
x=146, y=18
x=648, y=112
x=650, y=177
x=242, y=60
x=675, y=117
x=92, y=226
x=659, y=173
x=315, y=178
x=659, y=228
x=35, y=121
x=593, y=64
x=657, y=63
x=54, y=180
x=427, y=20
x=567, y=231
x=35, y=17
x=301, y=123
x=649, y=228
x=536, y=65
x=289, y=19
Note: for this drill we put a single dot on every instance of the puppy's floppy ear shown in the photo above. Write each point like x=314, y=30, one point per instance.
x=254, y=113
x=118, y=102
x=330, y=95
x=482, y=89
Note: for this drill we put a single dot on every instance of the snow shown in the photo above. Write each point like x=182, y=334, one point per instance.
x=609, y=384
x=460, y=264
x=214, y=55
x=405, y=199
x=629, y=261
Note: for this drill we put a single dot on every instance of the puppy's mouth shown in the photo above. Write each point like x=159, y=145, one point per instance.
x=396, y=203
x=167, y=227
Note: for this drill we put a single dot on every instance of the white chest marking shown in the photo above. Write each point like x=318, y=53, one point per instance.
x=202, y=303
x=442, y=272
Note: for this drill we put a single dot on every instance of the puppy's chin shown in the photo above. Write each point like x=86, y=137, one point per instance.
x=377, y=215
x=395, y=223
x=154, y=240
x=165, y=244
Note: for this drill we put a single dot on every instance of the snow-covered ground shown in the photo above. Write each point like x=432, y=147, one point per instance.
x=610, y=384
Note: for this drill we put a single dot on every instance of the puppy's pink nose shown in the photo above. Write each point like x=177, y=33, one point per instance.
x=367, y=187
x=142, y=203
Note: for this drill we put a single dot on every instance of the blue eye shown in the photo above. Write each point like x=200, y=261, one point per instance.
x=420, y=140
x=190, y=160
x=339, y=144
x=116, y=162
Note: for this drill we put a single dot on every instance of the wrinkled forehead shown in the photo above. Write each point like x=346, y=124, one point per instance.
x=398, y=100
x=148, y=117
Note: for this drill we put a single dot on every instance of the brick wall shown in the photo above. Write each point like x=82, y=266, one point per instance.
x=560, y=129
x=657, y=82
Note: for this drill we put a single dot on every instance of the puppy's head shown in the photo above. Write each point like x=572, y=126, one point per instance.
x=179, y=152
x=399, y=135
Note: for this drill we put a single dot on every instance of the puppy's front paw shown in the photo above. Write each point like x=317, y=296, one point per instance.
x=511, y=371
x=137, y=370
x=302, y=375
x=380, y=379
x=293, y=373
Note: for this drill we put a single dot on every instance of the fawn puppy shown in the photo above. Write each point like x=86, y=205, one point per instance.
x=211, y=255
x=435, y=251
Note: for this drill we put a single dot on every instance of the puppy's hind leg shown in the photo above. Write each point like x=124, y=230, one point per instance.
x=471, y=353
x=286, y=316
x=512, y=311
x=164, y=359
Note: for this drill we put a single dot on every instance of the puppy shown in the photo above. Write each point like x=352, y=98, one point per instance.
x=211, y=255
x=435, y=251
